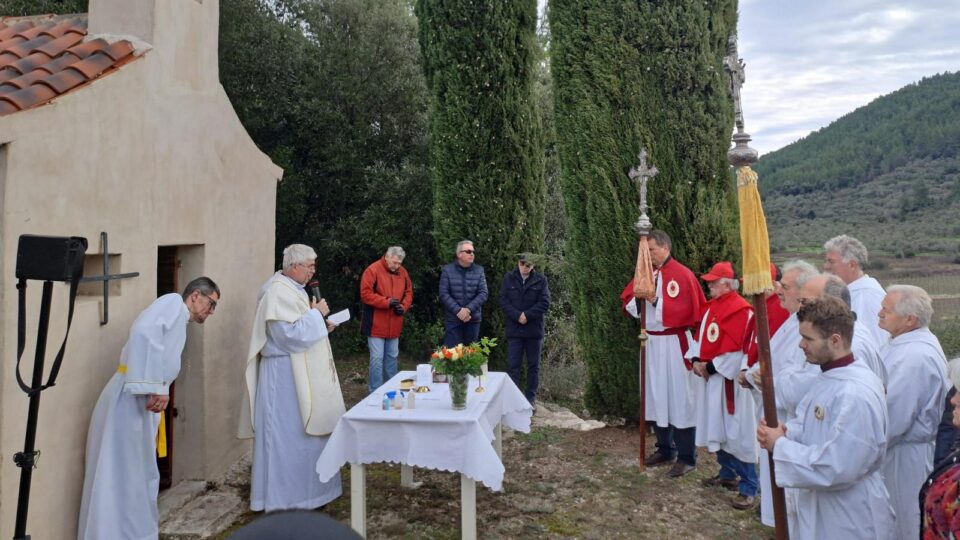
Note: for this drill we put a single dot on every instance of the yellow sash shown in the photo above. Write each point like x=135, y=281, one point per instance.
x=161, y=429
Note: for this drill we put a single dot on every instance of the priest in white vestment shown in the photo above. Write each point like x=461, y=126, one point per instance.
x=786, y=359
x=845, y=257
x=917, y=386
x=292, y=399
x=121, y=479
x=831, y=452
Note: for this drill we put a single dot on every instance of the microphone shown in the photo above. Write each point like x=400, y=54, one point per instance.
x=313, y=290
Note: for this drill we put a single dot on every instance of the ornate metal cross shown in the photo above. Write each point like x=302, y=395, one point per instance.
x=642, y=174
x=738, y=75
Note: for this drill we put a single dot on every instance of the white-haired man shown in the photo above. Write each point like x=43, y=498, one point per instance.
x=293, y=390
x=845, y=257
x=791, y=373
x=726, y=412
x=917, y=386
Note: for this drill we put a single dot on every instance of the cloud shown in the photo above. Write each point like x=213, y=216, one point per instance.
x=808, y=63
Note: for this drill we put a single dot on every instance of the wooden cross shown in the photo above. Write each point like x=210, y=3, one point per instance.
x=642, y=174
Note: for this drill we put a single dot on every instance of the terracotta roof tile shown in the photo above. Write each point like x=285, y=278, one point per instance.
x=42, y=58
x=60, y=44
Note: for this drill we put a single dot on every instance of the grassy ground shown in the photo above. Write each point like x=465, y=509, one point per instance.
x=558, y=484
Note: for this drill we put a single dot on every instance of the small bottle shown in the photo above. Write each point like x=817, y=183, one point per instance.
x=386, y=402
x=412, y=399
x=398, y=400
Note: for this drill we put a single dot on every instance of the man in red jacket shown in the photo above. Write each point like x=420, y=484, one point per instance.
x=386, y=293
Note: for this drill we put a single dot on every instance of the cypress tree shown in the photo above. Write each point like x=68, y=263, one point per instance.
x=629, y=75
x=486, y=153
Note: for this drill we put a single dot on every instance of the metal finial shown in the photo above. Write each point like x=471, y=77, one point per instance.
x=642, y=174
x=741, y=154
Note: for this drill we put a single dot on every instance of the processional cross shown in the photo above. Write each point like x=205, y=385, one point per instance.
x=642, y=174
x=738, y=75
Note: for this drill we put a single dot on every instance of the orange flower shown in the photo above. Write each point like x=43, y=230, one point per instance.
x=448, y=354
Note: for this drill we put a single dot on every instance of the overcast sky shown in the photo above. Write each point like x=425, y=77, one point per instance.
x=810, y=62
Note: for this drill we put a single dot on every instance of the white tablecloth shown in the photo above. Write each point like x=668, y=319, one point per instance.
x=432, y=435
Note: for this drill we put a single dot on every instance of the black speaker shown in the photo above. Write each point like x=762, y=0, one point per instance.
x=50, y=258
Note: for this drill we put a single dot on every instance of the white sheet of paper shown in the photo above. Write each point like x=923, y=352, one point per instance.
x=339, y=317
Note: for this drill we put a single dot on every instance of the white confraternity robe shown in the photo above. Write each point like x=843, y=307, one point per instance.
x=917, y=386
x=285, y=452
x=784, y=353
x=832, y=453
x=866, y=350
x=121, y=479
x=866, y=294
x=669, y=385
x=735, y=433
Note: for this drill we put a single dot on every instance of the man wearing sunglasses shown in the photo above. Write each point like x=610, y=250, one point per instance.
x=121, y=481
x=463, y=290
x=524, y=298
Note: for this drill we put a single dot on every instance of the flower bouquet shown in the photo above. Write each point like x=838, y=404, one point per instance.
x=459, y=362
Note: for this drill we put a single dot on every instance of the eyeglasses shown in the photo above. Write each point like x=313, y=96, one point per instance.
x=213, y=303
x=526, y=264
x=467, y=251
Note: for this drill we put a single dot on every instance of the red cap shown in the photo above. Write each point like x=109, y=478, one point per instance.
x=720, y=270
x=774, y=272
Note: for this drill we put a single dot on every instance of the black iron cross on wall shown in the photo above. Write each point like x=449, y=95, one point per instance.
x=106, y=278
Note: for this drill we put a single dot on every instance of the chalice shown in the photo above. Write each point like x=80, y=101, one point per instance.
x=483, y=374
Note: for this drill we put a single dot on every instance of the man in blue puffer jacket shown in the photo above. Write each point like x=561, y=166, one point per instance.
x=463, y=290
x=524, y=298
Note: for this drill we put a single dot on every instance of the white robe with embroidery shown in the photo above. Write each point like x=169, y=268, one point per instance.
x=735, y=433
x=866, y=294
x=669, y=385
x=917, y=386
x=284, y=453
x=831, y=457
x=121, y=479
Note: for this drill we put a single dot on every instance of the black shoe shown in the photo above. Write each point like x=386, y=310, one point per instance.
x=658, y=459
x=680, y=468
x=730, y=484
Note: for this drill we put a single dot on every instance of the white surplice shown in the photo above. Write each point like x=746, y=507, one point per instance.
x=669, y=384
x=735, y=433
x=785, y=353
x=865, y=349
x=121, y=479
x=866, y=294
x=831, y=457
x=917, y=386
x=284, y=455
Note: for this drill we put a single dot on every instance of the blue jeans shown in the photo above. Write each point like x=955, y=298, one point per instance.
x=731, y=468
x=516, y=348
x=460, y=332
x=383, y=360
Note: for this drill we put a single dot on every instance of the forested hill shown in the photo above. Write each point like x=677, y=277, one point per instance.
x=888, y=172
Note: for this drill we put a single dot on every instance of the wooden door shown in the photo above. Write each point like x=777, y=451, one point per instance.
x=168, y=265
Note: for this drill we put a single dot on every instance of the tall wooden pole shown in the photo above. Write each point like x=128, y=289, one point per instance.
x=740, y=156
x=643, y=288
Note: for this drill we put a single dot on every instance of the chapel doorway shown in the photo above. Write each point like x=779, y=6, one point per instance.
x=168, y=266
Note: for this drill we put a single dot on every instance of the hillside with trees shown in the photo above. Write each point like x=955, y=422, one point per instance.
x=888, y=173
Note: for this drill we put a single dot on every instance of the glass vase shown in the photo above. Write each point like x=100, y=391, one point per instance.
x=458, y=391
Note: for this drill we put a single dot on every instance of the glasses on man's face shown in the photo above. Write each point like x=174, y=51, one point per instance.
x=213, y=303
x=526, y=265
x=467, y=251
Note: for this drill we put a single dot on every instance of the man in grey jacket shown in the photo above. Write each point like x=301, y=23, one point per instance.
x=463, y=290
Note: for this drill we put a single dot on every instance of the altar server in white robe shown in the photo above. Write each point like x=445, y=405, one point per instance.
x=832, y=451
x=121, y=479
x=864, y=347
x=293, y=399
x=845, y=257
x=785, y=358
x=726, y=415
x=917, y=386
